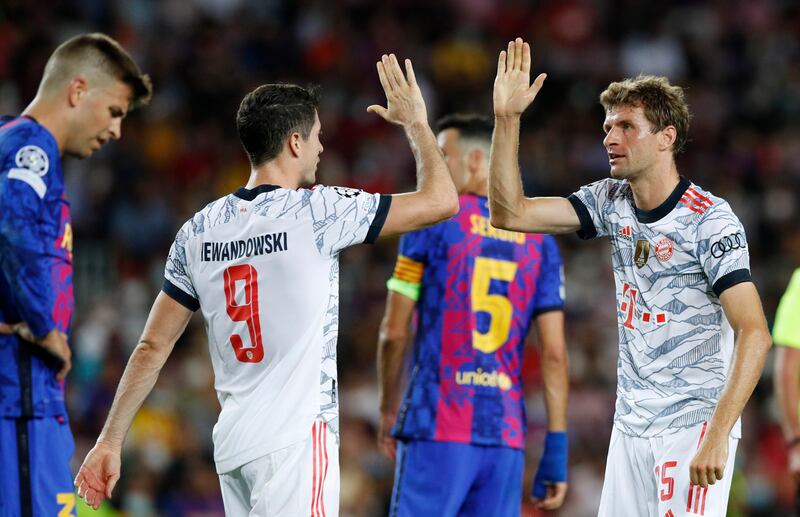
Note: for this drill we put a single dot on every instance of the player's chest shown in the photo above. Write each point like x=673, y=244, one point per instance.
x=653, y=255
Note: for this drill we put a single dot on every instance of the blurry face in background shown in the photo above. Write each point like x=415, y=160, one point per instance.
x=98, y=119
x=309, y=154
x=451, y=148
x=630, y=142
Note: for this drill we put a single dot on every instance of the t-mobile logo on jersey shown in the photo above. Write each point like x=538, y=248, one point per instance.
x=630, y=313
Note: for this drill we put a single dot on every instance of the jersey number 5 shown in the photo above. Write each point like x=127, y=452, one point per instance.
x=498, y=306
x=248, y=312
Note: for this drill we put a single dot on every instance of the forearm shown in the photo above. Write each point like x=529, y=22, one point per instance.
x=505, y=184
x=555, y=380
x=787, y=368
x=390, y=368
x=137, y=381
x=433, y=178
x=750, y=352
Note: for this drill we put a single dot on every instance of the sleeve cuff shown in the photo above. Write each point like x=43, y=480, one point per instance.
x=180, y=296
x=549, y=308
x=587, y=231
x=380, y=218
x=731, y=279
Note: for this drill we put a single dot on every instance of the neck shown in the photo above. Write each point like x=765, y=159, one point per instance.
x=479, y=186
x=48, y=115
x=274, y=172
x=651, y=190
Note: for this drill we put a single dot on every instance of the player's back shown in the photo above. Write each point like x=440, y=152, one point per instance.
x=262, y=265
x=480, y=289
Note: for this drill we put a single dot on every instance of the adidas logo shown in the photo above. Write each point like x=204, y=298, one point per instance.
x=625, y=233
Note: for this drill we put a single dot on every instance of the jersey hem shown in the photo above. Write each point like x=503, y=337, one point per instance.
x=587, y=231
x=180, y=296
x=730, y=279
x=379, y=219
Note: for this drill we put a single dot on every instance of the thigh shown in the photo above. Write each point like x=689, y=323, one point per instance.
x=676, y=494
x=302, y=479
x=432, y=478
x=51, y=450
x=627, y=485
x=498, y=487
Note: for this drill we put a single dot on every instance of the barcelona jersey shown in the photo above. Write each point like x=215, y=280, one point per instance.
x=35, y=266
x=477, y=290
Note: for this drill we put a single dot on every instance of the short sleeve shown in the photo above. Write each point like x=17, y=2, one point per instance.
x=344, y=217
x=591, y=203
x=722, y=249
x=411, y=260
x=549, y=295
x=178, y=284
x=786, y=331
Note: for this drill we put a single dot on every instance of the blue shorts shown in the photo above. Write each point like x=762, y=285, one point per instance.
x=50, y=446
x=444, y=479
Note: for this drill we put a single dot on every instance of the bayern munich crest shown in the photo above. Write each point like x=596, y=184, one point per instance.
x=664, y=249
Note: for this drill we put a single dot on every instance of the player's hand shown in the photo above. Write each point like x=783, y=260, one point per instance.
x=708, y=465
x=550, y=483
x=98, y=474
x=404, y=102
x=794, y=461
x=54, y=342
x=513, y=92
x=386, y=443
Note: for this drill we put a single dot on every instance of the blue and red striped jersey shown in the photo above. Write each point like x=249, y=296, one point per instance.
x=477, y=290
x=36, y=265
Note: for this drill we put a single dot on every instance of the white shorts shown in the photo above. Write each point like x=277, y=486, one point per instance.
x=650, y=477
x=300, y=480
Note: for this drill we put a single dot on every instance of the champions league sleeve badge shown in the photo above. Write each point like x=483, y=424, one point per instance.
x=33, y=158
x=347, y=192
x=642, y=253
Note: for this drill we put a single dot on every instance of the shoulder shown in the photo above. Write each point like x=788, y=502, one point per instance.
x=609, y=189
x=709, y=207
x=27, y=141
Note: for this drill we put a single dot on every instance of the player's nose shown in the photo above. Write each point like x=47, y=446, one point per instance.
x=115, y=129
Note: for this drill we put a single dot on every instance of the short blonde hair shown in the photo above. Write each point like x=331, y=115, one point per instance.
x=663, y=104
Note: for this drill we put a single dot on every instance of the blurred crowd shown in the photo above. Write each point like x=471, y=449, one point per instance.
x=738, y=59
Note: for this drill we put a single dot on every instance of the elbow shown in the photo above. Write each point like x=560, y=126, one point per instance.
x=504, y=221
x=150, y=353
x=392, y=335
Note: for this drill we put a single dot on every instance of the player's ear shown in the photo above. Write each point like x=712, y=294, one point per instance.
x=667, y=137
x=295, y=144
x=76, y=90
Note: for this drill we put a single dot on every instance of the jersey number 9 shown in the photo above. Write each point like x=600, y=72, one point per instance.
x=248, y=312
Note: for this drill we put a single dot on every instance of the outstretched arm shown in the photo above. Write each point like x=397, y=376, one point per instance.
x=509, y=208
x=742, y=307
x=787, y=391
x=101, y=468
x=550, y=484
x=391, y=346
x=435, y=198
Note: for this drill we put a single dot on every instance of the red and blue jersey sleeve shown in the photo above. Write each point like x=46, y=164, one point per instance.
x=549, y=294
x=411, y=260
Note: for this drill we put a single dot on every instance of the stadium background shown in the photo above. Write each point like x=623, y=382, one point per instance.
x=740, y=61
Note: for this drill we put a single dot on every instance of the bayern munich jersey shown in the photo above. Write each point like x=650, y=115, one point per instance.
x=477, y=290
x=670, y=266
x=262, y=266
x=36, y=265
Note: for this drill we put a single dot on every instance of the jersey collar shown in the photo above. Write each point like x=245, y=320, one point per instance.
x=250, y=194
x=651, y=216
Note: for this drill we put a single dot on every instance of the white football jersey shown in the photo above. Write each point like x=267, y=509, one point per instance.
x=262, y=266
x=670, y=266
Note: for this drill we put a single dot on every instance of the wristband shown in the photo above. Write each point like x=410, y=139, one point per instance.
x=553, y=465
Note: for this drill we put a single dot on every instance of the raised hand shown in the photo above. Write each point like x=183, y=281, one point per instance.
x=54, y=342
x=404, y=102
x=513, y=92
x=98, y=474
